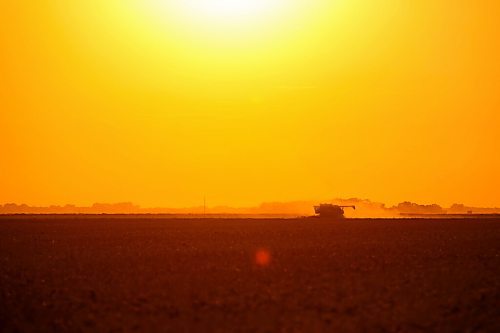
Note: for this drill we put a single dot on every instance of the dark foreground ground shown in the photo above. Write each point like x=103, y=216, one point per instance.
x=118, y=275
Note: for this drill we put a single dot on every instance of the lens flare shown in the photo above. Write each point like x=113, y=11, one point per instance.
x=262, y=257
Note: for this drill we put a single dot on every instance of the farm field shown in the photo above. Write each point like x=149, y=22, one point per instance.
x=116, y=274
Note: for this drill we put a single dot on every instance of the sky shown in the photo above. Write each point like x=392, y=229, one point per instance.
x=165, y=102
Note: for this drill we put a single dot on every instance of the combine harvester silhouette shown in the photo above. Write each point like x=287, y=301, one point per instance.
x=331, y=211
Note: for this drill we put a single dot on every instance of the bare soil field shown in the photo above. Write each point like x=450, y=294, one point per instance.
x=111, y=274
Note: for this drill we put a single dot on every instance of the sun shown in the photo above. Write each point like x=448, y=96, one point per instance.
x=229, y=10
x=218, y=12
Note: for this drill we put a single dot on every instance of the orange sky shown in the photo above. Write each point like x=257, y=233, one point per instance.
x=160, y=103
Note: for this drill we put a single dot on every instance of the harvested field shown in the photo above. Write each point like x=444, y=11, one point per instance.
x=77, y=273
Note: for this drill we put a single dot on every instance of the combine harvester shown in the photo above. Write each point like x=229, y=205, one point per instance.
x=330, y=211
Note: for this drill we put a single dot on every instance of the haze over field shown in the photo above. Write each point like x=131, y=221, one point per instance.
x=158, y=101
x=364, y=209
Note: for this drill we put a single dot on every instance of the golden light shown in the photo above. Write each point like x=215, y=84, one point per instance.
x=237, y=99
